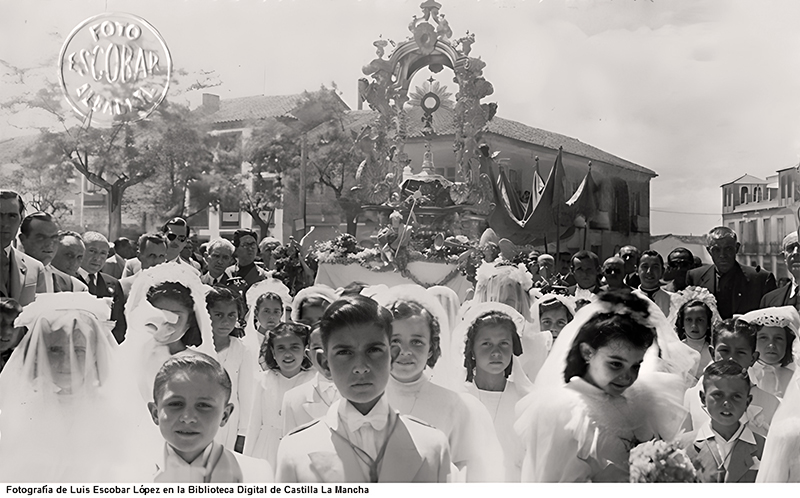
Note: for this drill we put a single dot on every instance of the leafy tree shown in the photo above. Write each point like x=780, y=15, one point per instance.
x=42, y=183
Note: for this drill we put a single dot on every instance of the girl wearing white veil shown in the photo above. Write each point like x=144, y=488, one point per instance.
x=269, y=303
x=310, y=303
x=418, y=319
x=487, y=357
x=603, y=389
x=166, y=313
x=66, y=413
x=510, y=285
x=781, y=458
x=451, y=304
x=558, y=309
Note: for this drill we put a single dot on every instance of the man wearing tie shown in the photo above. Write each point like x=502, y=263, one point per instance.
x=738, y=288
x=39, y=237
x=100, y=284
x=219, y=256
x=787, y=295
x=21, y=276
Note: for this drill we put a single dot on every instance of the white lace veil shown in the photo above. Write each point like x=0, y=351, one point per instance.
x=451, y=304
x=668, y=353
x=538, y=299
x=504, y=283
x=270, y=284
x=781, y=458
x=416, y=294
x=457, y=371
x=65, y=409
x=320, y=291
x=150, y=329
x=690, y=294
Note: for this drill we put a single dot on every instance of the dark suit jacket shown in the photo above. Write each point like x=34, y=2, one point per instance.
x=777, y=297
x=750, y=285
x=27, y=278
x=105, y=285
x=743, y=463
x=65, y=283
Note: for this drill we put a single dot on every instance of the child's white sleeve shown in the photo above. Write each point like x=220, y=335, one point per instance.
x=247, y=383
x=254, y=420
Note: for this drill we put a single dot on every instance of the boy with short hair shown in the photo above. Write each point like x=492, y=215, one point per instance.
x=734, y=340
x=361, y=438
x=726, y=448
x=191, y=401
x=311, y=400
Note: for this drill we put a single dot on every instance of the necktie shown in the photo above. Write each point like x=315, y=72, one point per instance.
x=92, y=284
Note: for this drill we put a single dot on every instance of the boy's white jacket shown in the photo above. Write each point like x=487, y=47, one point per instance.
x=416, y=452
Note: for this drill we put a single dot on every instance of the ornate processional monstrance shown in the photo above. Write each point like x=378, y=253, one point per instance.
x=385, y=182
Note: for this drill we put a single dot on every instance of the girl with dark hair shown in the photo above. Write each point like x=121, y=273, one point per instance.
x=418, y=320
x=694, y=313
x=776, y=328
x=270, y=303
x=581, y=426
x=492, y=343
x=284, y=366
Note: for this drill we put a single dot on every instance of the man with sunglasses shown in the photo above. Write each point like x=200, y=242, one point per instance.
x=175, y=232
x=679, y=262
x=614, y=273
x=738, y=288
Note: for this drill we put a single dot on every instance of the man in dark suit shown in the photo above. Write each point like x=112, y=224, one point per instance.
x=246, y=243
x=21, y=276
x=787, y=294
x=100, y=284
x=679, y=262
x=738, y=288
x=585, y=265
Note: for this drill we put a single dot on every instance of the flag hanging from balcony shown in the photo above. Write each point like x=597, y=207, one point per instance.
x=542, y=219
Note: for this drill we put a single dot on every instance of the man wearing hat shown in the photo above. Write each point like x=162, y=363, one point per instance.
x=787, y=295
x=246, y=243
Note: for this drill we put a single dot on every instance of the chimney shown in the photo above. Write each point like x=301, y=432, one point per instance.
x=210, y=102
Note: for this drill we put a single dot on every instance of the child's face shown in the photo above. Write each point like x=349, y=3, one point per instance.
x=9, y=336
x=493, y=349
x=731, y=346
x=613, y=367
x=189, y=412
x=695, y=323
x=413, y=336
x=554, y=321
x=175, y=306
x=315, y=349
x=60, y=358
x=771, y=345
x=269, y=314
x=311, y=314
x=224, y=315
x=358, y=359
x=288, y=351
x=726, y=399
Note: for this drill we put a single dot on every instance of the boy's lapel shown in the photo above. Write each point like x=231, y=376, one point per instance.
x=402, y=459
x=706, y=451
x=744, y=457
x=341, y=464
x=314, y=405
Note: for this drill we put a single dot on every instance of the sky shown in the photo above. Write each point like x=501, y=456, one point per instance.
x=699, y=91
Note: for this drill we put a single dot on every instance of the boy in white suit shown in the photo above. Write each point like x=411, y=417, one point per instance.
x=361, y=438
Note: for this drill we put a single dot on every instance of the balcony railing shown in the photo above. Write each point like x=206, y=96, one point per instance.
x=766, y=248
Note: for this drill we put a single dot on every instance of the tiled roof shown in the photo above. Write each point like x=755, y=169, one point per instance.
x=256, y=107
x=443, y=124
x=746, y=179
x=686, y=239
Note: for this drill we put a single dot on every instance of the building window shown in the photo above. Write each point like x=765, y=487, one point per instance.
x=767, y=235
x=744, y=195
x=757, y=196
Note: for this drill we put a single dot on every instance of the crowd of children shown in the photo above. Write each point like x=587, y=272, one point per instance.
x=392, y=384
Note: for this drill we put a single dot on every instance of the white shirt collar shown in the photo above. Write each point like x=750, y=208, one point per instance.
x=377, y=417
x=8, y=251
x=743, y=433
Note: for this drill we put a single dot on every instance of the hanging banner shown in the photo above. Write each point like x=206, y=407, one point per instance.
x=114, y=67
